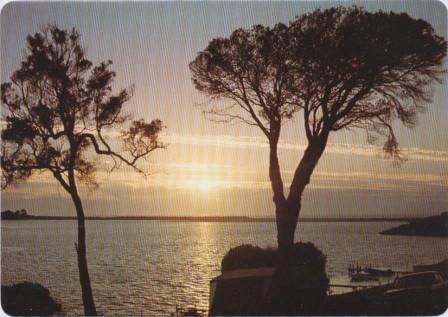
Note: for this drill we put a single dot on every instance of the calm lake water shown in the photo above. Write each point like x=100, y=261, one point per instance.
x=147, y=267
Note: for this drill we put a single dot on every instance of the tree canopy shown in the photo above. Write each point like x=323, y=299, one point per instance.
x=357, y=69
x=345, y=67
x=340, y=68
x=59, y=110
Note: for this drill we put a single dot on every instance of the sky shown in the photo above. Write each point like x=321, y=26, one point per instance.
x=218, y=169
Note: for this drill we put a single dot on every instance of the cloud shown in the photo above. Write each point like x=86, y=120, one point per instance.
x=195, y=176
x=434, y=179
x=250, y=142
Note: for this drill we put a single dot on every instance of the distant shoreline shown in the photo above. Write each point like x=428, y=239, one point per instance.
x=211, y=219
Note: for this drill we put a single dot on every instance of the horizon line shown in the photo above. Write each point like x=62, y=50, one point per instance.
x=218, y=218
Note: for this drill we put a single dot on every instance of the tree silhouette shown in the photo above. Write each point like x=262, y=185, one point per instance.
x=58, y=111
x=341, y=68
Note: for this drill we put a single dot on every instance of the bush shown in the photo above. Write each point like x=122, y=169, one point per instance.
x=308, y=282
x=308, y=265
x=28, y=299
x=248, y=256
x=299, y=286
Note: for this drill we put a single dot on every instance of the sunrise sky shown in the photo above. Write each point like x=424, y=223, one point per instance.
x=217, y=169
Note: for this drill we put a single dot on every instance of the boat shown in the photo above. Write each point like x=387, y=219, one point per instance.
x=189, y=312
x=369, y=271
x=379, y=272
x=363, y=276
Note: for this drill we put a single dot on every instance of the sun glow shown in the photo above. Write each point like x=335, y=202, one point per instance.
x=204, y=184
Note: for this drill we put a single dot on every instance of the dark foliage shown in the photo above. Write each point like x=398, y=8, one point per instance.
x=304, y=257
x=18, y=214
x=341, y=68
x=344, y=67
x=59, y=110
x=298, y=287
x=308, y=264
x=248, y=256
x=28, y=299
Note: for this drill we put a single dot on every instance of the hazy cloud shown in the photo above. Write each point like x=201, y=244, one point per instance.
x=250, y=142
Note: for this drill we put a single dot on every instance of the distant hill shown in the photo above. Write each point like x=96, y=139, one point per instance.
x=434, y=226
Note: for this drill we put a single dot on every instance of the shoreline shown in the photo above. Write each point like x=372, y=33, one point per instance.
x=210, y=219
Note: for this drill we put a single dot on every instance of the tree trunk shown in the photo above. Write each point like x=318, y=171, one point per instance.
x=287, y=213
x=281, y=298
x=86, y=289
x=276, y=182
x=275, y=175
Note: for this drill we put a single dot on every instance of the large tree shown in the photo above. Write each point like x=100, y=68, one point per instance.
x=340, y=68
x=58, y=110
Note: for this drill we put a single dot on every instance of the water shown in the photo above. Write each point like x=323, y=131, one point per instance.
x=147, y=267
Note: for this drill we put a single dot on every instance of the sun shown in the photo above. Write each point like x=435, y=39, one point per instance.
x=204, y=185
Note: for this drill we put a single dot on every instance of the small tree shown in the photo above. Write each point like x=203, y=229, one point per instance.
x=342, y=68
x=57, y=111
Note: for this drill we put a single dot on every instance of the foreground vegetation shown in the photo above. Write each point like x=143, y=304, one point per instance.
x=28, y=299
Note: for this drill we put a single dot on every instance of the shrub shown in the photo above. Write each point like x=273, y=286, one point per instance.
x=299, y=286
x=248, y=256
x=308, y=265
x=28, y=299
x=308, y=284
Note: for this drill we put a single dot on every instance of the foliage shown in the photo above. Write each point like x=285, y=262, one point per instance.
x=308, y=264
x=18, y=214
x=304, y=283
x=344, y=67
x=305, y=258
x=358, y=69
x=60, y=110
x=303, y=279
x=28, y=299
x=247, y=256
x=251, y=68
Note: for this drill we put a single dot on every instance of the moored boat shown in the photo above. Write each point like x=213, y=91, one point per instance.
x=379, y=272
x=363, y=276
x=189, y=312
x=369, y=271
